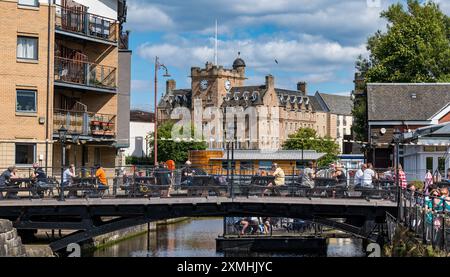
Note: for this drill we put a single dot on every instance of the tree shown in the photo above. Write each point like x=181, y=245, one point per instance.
x=309, y=140
x=414, y=48
x=169, y=149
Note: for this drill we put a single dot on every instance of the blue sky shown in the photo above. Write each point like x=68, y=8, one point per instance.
x=313, y=41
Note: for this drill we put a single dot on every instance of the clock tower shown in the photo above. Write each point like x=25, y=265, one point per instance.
x=212, y=83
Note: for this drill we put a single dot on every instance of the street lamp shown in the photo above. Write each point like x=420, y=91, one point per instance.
x=397, y=136
x=62, y=137
x=158, y=66
x=373, y=142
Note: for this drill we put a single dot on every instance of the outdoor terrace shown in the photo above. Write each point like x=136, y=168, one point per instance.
x=75, y=21
x=85, y=123
x=79, y=72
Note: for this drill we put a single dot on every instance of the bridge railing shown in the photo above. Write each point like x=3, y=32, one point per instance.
x=201, y=180
x=427, y=215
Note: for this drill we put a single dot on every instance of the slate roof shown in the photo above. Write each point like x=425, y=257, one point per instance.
x=246, y=95
x=406, y=101
x=315, y=104
x=182, y=97
x=280, y=155
x=336, y=104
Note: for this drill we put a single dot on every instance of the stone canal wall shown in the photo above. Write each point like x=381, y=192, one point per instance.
x=127, y=233
x=10, y=243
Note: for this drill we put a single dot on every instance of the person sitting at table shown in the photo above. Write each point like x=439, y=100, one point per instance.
x=5, y=179
x=278, y=173
x=339, y=175
x=308, y=175
x=101, y=176
x=39, y=175
x=68, y=174
x=187, y=173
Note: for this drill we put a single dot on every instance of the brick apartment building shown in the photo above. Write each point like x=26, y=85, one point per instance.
x=63, y=63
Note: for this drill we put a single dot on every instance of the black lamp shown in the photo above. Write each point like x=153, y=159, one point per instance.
x=62, y=134
x=62, y=137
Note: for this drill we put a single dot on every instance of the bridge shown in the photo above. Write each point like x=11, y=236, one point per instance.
x=90, y=217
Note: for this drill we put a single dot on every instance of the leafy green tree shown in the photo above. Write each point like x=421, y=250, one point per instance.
x=414, y=48
x=308, y=139
x=169, y=149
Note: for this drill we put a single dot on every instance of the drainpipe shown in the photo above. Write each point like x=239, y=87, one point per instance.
x=47, y=127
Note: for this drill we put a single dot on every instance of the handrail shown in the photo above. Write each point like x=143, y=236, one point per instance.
x=85, y=73
x=72, y=20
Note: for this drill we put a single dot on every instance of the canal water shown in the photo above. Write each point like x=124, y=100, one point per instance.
x=196, y=238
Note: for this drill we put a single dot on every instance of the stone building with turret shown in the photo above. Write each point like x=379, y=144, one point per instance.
x=271, y=114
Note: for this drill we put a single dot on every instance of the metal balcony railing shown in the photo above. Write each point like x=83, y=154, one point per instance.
x=85, y=73
x=85, y=123
x=74, y=20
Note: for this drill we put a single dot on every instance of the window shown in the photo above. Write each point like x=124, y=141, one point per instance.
x=225, y=164
x=27, y=48
x=247, y=165
x=26, y=101
x=25, y=153
x=300, y=164
x=33, y=3
x=429, y=162
x=265, y=165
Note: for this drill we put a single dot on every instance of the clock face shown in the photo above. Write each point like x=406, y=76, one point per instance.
x=227, y=85
x=203, y=84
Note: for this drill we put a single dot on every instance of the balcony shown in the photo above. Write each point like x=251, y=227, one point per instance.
x=76, y=22
x=85, y=123
x=82, y=73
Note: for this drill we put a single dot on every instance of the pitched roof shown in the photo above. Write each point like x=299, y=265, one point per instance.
x=182, y=97
x=407, y=101
x=315, y=104
x=336, y=104
x=280, y=155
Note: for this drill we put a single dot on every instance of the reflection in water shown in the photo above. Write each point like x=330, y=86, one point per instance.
x=196, y=238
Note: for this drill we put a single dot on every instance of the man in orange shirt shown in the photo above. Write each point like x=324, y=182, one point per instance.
x=101, y=175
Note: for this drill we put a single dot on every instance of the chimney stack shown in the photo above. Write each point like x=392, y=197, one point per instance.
x=270, y=82
x=359, y=82
x=170, y=85
x=301, y=86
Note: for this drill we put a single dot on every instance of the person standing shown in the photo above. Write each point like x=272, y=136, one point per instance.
x=428, y=182
x=359, y=175
x=402, y=177
x=368, y=176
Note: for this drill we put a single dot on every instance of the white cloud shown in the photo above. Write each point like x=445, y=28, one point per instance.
x=142, y=17
x=312, y=59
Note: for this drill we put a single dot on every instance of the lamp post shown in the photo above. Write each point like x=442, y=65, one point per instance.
x=397, y=138
x=62, y=138
x=158, y=66
x=373, y=143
